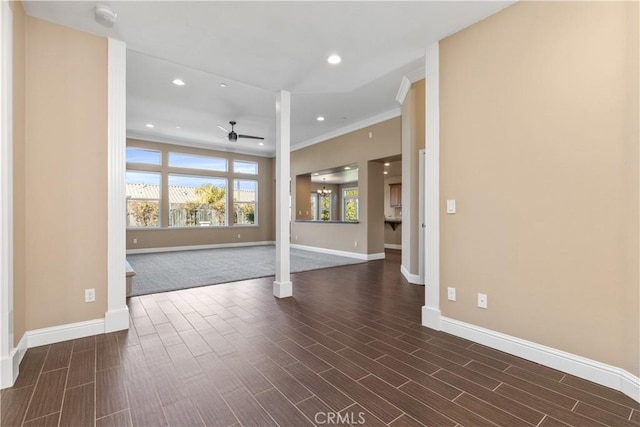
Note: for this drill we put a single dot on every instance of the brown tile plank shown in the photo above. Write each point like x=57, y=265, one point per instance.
x=518, y=361
x=223, y=379
x=605, y=417
x=247, y=409
x=406, y=403
x=558, y=412
x=83, y=344
x=248, y=375
x=210, y=405
x=315, y=410
x=285, y=383
x=48, y=421
x=314, y=363
x=600, y=390
x=111, y=393
x=376, y=368
x=356, y=345
x=78, y=406
x=14, y=404
x=517, y=409
x=168, y=334
x=82, y=368
x=331, y=344
x=183, y=361
x=330, y=395
x=337, y=361
x=119, y=419
x=405, y=421
x=348, y=328
x=434, y=349
x=363, y=395
x=485, y=410
x=59, y=356
x=183, y=413
x=148, y=416
x=281, y=409
x=31, y=366
x=47, y=397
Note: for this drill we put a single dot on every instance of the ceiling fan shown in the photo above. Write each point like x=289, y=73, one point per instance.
x=233, y=136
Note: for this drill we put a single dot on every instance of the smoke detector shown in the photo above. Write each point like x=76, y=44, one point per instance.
x=105, y=16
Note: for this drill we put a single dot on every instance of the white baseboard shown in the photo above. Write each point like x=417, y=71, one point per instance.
x=411, y=278
x=392, y=246
x=60, y=333
x=198, y=247
x=282, y=289
x=598, y=372
x=9, y=366
x=431, y=318
x=116, y=320
x=356, y=255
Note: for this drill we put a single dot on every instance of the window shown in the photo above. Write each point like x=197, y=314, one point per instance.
x=196, y=201
x=314, y=206
x=350, y=204
x=245, y=195
x=192, y=161
x=143, y=199
x=320, y=207
x=142, y=155
x=241, y=166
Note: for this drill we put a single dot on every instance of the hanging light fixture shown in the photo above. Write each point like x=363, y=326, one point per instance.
x=324, y=192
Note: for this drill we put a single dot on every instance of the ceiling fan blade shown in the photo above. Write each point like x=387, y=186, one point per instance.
x=250, y=137
x=223, y=129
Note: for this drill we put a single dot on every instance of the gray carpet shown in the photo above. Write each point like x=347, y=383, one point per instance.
x=168, y=271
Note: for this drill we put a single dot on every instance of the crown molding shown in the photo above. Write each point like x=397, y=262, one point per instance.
x=405, y=85
x=378, y=118
x=417, y=74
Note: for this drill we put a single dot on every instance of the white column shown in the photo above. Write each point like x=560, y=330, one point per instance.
x=117, y=316
x=282, y=287
x=431, y=308
x=8, y=356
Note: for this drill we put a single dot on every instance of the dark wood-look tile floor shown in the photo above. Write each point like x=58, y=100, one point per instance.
x=348, y=349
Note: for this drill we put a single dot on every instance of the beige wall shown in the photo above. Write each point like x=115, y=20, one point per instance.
x=354, y=147
x=65, y=205
x=167, y=237
x=413, y=140
x=19, y=272
x=539, y=133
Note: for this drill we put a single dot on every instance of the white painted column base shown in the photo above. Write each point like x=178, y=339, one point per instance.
x=10, y=365
x=282, y=289
x=116, y=320
x=431, y=317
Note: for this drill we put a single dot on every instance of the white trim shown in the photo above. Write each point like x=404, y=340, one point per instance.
x=417, y=74
x=403, y=90
x=7, y=350
x=432, y=186
x=282, y=287
x=10, y=366
x=414, y=279
x=195, y=143
x=598, y=372
x=356, y=255
x=392, y=246
x=378, y=118
x=114, y=319
x=197, y=247
x=69, y=331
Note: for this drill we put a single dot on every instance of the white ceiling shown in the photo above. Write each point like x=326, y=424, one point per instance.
x=258, y=49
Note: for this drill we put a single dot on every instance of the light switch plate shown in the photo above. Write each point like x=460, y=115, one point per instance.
x=451, y=294
x=482, y=300
x=451, y=206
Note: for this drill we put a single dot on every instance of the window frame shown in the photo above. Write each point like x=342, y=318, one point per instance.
x=255, y=203
x=144, y=163
x=212, y=171
x=191, y=227
x=234, y=161
x=344, y=204
x=159, y=200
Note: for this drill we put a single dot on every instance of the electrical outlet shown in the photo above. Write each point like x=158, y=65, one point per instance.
x=135, y=241
x=238, y=235
x=89, y=295
x=451, y=294
x=482, y=300
x=355, y=244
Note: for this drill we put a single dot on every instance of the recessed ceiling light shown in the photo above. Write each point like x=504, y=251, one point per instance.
x=334, y=59
x=178, y=82
x=177, y=127
x=316, y=174
x=347, y=168
x=260, y=143
x=223, y=85
x=320, y=118
x=149, y=125
x=387, y=164
x=385, y=172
